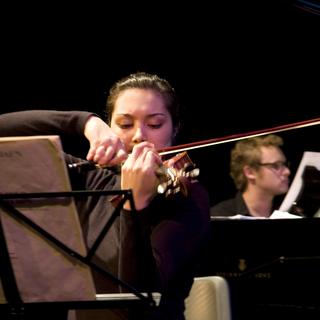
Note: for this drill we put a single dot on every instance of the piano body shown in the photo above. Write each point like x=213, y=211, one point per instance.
x=272, y=266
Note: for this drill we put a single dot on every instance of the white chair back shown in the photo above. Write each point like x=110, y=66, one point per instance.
x=208, y=299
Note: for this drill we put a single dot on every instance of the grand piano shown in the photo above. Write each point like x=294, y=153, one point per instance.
x=272, y=265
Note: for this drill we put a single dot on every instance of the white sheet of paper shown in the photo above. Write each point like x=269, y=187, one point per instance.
x=308, y=159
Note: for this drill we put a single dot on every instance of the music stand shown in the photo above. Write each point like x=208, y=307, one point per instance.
x=65, y=252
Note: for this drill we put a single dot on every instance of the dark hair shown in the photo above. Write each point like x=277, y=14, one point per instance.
x=143, y=80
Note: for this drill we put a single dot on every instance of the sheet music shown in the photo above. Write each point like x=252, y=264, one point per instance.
x=43, y=272
x=308, y=159
x=237, y=217
x=276, y=214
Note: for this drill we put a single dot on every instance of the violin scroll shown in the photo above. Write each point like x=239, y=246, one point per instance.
x=176, y=177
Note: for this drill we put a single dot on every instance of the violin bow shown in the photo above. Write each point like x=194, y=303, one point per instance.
x=235, y=137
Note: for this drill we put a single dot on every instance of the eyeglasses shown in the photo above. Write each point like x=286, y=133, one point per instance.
x=276, y=166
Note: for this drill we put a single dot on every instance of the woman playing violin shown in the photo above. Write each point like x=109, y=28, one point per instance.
x=157, y=248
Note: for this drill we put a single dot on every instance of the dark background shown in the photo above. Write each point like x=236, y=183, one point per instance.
x=237, y=66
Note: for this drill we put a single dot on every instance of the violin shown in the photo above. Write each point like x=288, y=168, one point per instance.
x=176, y=177
x=173, y=178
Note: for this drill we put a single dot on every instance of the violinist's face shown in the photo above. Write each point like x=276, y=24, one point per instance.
x=141, y=115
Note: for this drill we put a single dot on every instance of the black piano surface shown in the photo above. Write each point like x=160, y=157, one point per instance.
x=272, y=266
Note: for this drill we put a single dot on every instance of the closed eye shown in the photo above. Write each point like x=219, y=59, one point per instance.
x=155, y=126
x=125, y=126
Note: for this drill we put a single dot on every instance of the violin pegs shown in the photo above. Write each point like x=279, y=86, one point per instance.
x=162, y=187
x=169, y=192
x=177, y=190
x=194, y=173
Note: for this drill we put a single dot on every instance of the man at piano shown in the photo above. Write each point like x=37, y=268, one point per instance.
x=260, y=172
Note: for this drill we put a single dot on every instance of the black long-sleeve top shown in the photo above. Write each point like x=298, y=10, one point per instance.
x=157, y=248
x=230, y=207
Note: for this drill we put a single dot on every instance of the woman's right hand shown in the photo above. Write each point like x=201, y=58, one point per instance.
x=106, y=148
